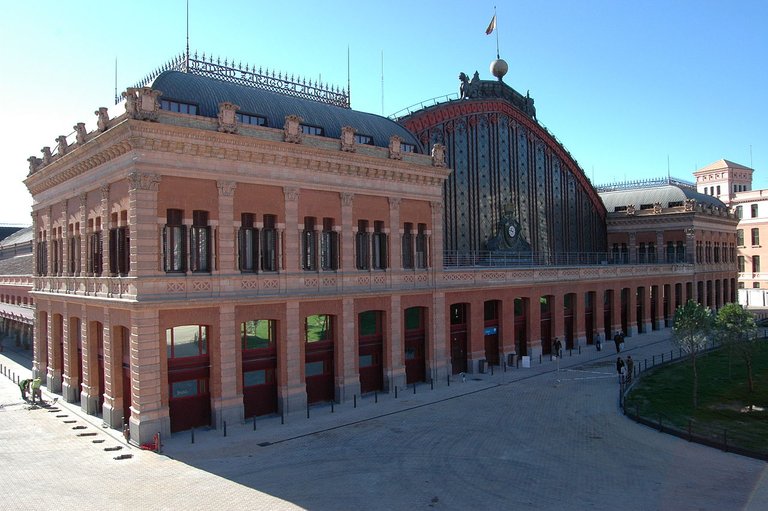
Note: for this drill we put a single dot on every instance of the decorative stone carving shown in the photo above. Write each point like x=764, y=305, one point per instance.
x=690, y=204
x=226, y=188
x=394, y=203
x=130, y=101
x=438, y=155
x=690, y=232
x=291, y=193
x=657, y=208
x=227, y=117
x=630, y=209
x=102, y=123
x=147, y=105
x=104, y=192
x=142, y=181
x=346, y=198
x=46, y=155
x=80, y=133
x=348, y=139
x=292, y=129
x=61, y=140
x=34, y=164
x=395, y=148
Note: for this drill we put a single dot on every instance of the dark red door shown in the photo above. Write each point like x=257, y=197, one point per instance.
x=459, y=349
x=318, y=371
x=371, y=351
x=415, y=345
x=259, y=386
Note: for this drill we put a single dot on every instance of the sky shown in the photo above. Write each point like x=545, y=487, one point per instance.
x=633, y=89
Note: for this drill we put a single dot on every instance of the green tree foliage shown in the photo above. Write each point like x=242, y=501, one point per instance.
x=692, y=327
x=737, y=328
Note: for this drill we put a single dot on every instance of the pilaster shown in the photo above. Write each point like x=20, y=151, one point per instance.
x=394, y=370
x=348, y=382
x=227, y=402
x=142, y=223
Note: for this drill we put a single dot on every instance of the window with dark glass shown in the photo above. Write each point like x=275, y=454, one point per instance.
x=379, y=248
x=119, y=251
x=741, y=264
x=755, y=236
x=200, y=242
x=363, y=139
x=247, y=244
x=740, y=237
x=670, y=251
x=42, y=256
x=718, y=189
x=174, y=242
x=641, y=253
x=329, y=246
x=56, y=253
x=651, y=252
x=95, y=260
x=754, y=210
x=756, y=264
x=362, y=246
x=407, y=246
x=309, y=245
x=421, y=247
x=74, y=251
x=311, y=130
x=739, y=212
x=407, y=148
x=179, y=107
x=269, y=244
x=186, y=341
x=254, y=120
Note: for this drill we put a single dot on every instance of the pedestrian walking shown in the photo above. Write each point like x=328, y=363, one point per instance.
x=620, y=369
x=630, y=368
x=558, y=348
x=621, y=340
x=617, y=341
x=598, y=343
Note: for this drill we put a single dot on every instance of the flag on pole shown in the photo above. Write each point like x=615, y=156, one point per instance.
x=491, y=26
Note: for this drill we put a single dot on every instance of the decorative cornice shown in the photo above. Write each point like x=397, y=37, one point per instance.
x=143, y=181
x=346, y=198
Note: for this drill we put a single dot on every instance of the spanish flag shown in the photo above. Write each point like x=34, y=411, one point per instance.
x=491, y=26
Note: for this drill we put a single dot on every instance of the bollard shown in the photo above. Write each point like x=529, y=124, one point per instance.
x=662, y=358
x=654, y=360
x=725, y=440
x=354, y=401
x=517, y=363
x=282, y=418
x=491, y=370
x=395, y=391
x=225, y=428
x=193, y=435
x=646, y=365
x=690, y=435
x=414, y=387
x=332, y=401
x=431, y=384
x=375, y=397
x=254, y=423
x=570, y=352
x=504, y=366
x=448, y=377
x=307, y=410
x=579, y=349
x=539, y=359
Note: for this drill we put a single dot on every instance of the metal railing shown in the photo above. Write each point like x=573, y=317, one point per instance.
x=730, y=438
x=495, y=259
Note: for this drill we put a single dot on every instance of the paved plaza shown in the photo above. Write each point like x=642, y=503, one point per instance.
x=533, y=438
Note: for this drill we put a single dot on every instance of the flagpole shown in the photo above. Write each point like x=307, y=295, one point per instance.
x=497, y=32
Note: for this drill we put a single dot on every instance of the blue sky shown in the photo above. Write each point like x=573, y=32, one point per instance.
x=625, y=86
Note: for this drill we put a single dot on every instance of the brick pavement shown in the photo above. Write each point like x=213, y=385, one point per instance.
x=532, y=438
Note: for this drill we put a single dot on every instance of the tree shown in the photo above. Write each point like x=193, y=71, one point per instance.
x=737, y=328
x=691, y=328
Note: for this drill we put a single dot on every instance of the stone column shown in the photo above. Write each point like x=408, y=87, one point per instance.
x=348, y=382
x=395, y=240
x=71, y=387
x=661, y=250
x=105, y=230
x=227, y=255
x=40, y=342
x=49, y=243
x=435, y=246
x=438, y=358
x=292, y=391
x=394, y=362
x=580, y=320
x=89, y=388
x=53, y=373
x=632, y=311
x=83, y=219
x=507, y=328
x=113, y=374
x=142, y=222
x=534, y=327
x=617, y=311
x=291, y=229
x=632, y=248
x=347, y=247
x=64, y=266
x=149, y=378
x=227, y=403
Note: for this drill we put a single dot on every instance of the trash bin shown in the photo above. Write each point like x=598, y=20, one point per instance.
x=481, y=365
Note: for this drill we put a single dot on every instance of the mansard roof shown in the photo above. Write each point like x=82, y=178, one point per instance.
x=723, y=164
x=676, y=194
x=207, y=93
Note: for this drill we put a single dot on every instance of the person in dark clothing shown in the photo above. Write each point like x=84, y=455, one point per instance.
x=598, y=343
x=617, y=341
x=558, y=348
x=24, y=387
x=620, y=369
x=630, y=367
